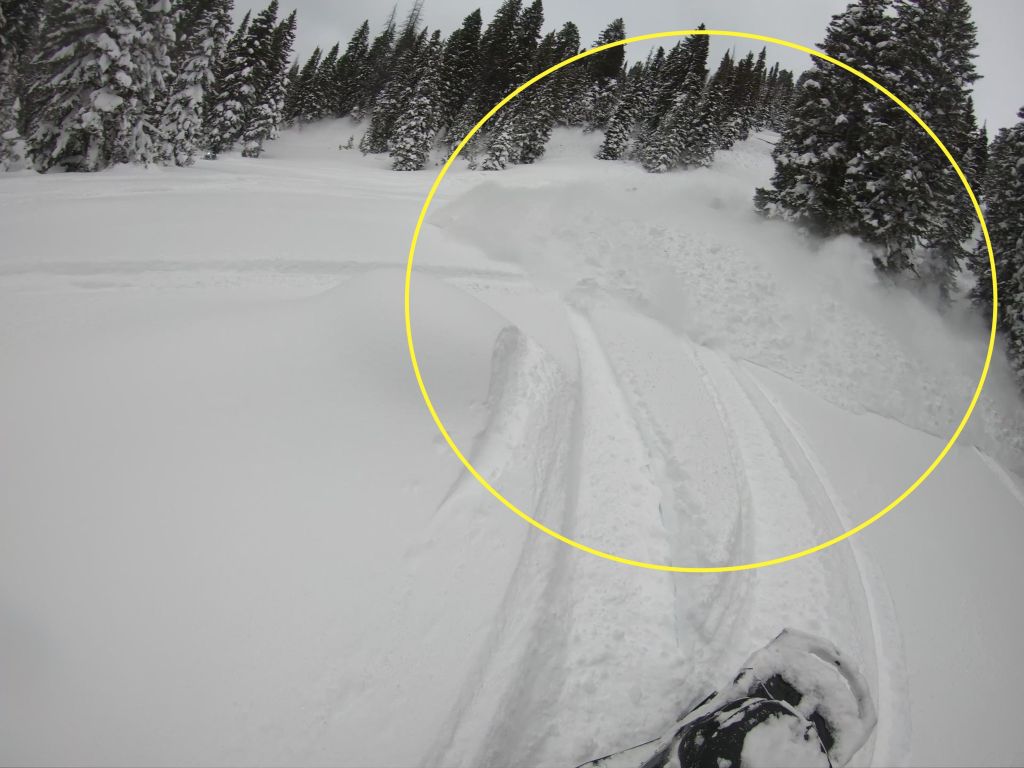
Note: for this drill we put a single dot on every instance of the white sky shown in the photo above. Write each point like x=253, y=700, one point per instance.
x=998, y=95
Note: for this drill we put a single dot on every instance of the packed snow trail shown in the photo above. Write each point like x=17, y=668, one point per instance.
x=726, y=492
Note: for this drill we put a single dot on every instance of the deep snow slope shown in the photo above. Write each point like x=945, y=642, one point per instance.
x=232, y=534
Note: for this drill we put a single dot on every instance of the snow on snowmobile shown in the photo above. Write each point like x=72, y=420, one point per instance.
x=796, y=702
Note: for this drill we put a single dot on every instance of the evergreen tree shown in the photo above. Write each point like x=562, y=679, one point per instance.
x=939, y=39
x=671, y=74
x=416, y=127
x=19, y=29
x=500, y=152
x=393, y=100
x=460, y=69
x=375, y=72
x=780, y=101
x=535, y=132
x=527, y=35
x=1006, y=220
x=225, y=109
x=1004, y=209
x=299, y=102
x=623, y=121
x=570, y=83
x=352, y=71
x=607, y=65
x=535, y=111
x=325, y=86
x=724, y=80
x=647, y=90
x=269, y=84
x=499, y=56
x=202, y=30
x=401, y=76
x=148, y=50
x=680, y=128
x=253, y=92
x=740, y=98
x=824, y=137
x=750, y=109
x=905, y=198
x=100, y=67
x=976, y=160
x=704, y=134
x=664, y=150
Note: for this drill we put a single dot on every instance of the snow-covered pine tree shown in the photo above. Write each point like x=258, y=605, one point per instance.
x=603, y=72
x=607, y=65
x=679, y=129
x=19, y=29
x=1004, y=214
x=884, y=181
x=460, y=68
x=1006, y=220
x=663, y=151
x=298, y=105
x=780, y=101
x=401, y=80
x=774, y=101
x=499, y=57
x=500, y=152
x=724, y=79
x=703, y=134
x=326, y=87
x=377, y=70
x=647, y=90
x=394, y=98
x=270, y=84
x=535, y=126
x=751, y=109
x=905, y=198
x=976, y=160
x=462, y=125
x=740, y=96
x=351, y=76
x=668, y=89
x=223, y=118
x=202, y=30
x=569, y=84
x=672, y=74
x=527, y=35
x=533, y=114
x=149, y=50
x=824, y=136
x=621, y=126
x=417, y=125
x=937, y=42
x=94, y=73
x=256, y=80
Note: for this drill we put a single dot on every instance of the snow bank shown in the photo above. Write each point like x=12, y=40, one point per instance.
x=225, y=537
x=687, y=249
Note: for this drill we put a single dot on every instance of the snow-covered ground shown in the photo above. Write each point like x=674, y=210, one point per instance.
x=232, y=535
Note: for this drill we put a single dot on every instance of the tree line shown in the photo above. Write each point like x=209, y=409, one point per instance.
x=424, y=92
x=851, y=161
x=85, y=84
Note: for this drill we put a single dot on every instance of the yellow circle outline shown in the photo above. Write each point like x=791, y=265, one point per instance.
x=678, y=568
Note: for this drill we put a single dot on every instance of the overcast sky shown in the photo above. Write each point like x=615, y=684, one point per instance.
x=1000, y=22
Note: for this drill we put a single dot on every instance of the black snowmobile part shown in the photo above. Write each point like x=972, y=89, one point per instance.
x=807, y=661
